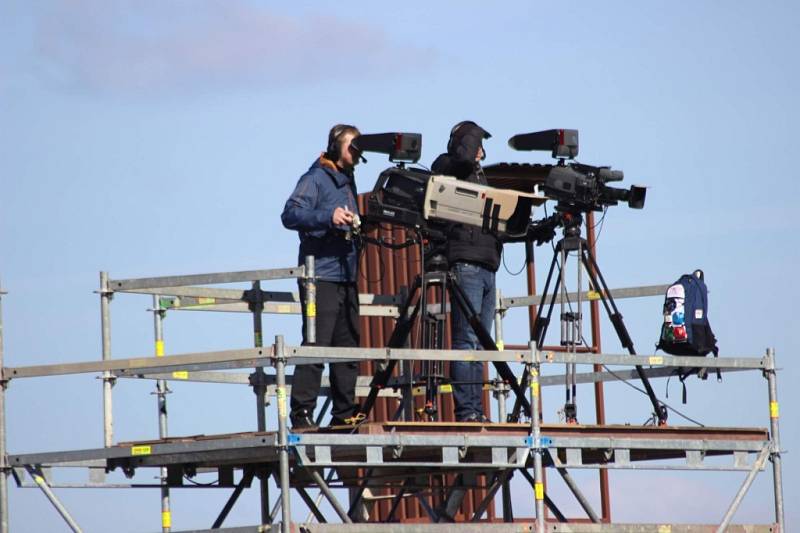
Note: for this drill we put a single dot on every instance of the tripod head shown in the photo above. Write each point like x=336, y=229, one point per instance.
x=570, y=220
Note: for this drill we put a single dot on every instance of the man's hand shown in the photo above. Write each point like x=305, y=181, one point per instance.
x=342, y=216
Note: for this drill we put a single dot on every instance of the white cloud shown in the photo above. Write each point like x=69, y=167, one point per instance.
x=148, y=46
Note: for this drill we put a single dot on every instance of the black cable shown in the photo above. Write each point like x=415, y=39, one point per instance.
x=381, y=267
x=600, y=223
x=505, y=266
x=197, y=483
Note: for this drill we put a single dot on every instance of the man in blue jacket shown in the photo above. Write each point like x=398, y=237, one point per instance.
x=322, y=209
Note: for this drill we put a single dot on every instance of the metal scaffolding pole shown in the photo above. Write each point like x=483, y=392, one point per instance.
x=283, y=433
x=310, y=282
x=775, y=454
x=757, y=466
x=38, y=477
x=501, y=394
x=108, y=379
x=161, y=395
x=536, y=440
x=259, y=382
x=3, y=458
x=576, y=491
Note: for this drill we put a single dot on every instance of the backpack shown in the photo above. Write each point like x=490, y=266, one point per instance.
x=686, y=330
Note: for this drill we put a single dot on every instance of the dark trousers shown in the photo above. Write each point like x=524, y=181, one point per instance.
x=337, y=325
x=479, y=287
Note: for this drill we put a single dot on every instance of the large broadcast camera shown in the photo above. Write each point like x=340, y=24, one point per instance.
x=417, y=198
x=576, y=186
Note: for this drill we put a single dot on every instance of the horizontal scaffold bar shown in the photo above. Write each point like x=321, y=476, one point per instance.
x=591, y=295
x=518, y=526
x=265, y=446
x=130, y=285
x=230, y=378
x=298, y=355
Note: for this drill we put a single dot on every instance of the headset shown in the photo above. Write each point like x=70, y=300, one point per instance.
x=455, y=137
x=334, y=140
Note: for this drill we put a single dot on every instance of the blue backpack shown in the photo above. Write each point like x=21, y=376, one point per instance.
x=686, y=330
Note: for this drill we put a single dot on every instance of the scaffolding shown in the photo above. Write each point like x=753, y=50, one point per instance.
x=396, y=457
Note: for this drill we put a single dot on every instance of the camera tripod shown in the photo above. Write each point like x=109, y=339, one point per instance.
x=432, y=331
x=571, y=321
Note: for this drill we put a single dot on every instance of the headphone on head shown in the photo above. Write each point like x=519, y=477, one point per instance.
x=333, y=152
x=455, y=138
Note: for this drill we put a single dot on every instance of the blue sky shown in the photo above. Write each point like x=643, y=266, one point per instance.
x=152, y=138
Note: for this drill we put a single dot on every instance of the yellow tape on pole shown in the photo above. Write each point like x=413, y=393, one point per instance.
x=500, y=345
x=539, y=487
x=280, y=392
x=535, y=389
x=773, y=410
x=180, y=374
x=446, y=388
x=159, y=348
x=166, y=519
x=311, y=310
x=656, y=360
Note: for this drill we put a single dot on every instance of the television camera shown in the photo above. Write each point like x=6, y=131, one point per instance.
x=417, y=198
x=575, y=186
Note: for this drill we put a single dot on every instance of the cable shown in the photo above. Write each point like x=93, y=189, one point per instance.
x=600, y=223
x=197, y=483
x=503, y=257
x=381, y=267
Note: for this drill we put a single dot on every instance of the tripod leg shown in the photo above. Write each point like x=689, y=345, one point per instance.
x=543, y=322
x=540, y=331
x=458, y=297
x=619, y=326
x=398, y=339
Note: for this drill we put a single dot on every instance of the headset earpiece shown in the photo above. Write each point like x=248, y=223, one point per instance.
x=333, y=151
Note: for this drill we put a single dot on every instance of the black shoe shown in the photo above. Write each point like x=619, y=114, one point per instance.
x=474, y=417
x=302, y=420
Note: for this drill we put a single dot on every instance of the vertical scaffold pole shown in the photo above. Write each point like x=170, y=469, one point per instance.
x=108, y=379
x=3, y=464
x=310, y=282
x=161, y=393
x=501, y=391
x=536, y=436
x=283, y=434
x=775, y=455
x=259, y=383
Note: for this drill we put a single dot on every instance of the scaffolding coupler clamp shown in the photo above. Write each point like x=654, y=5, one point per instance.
x=544, y=442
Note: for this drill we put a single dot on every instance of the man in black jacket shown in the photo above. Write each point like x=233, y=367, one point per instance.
x=474, y=257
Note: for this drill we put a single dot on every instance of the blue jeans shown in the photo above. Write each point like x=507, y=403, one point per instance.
x=479, y=288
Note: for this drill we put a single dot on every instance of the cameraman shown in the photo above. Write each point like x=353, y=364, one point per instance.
x=474, y=257
x=322, y=208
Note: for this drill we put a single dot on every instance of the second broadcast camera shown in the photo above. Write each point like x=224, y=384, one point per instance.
x=577, y=186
